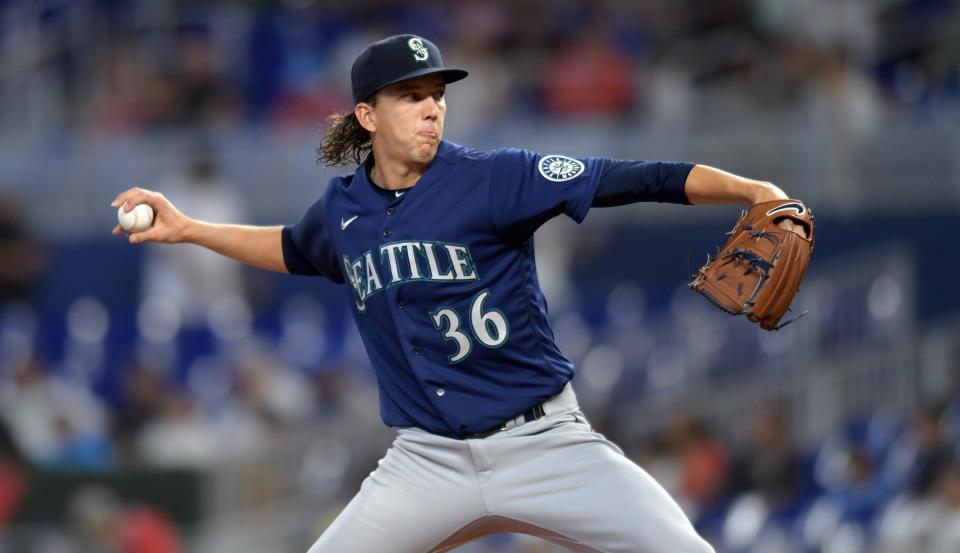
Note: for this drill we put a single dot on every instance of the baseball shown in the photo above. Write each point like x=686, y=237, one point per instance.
x=137, y=219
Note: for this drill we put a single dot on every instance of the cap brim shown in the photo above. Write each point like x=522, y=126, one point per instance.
x=449, y=76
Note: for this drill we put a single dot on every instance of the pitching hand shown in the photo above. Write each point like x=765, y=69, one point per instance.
x=770, y=193
x=169, y=225
x=788, y=224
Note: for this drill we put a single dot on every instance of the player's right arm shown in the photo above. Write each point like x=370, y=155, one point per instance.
x=257, y=246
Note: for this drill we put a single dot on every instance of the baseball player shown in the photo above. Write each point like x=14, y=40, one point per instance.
x=433, y=242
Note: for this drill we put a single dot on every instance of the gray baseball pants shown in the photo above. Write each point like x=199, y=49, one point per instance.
x=554, y=478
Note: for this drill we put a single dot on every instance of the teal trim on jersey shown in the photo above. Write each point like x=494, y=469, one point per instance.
x=354, y=279
x=472, y=266
x=385, y=262
x=403, y=252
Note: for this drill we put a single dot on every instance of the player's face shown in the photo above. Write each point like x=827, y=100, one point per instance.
x=408, y=119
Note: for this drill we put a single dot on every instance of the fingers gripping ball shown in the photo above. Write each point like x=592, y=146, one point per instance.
x=137, y=219
x=758, y=271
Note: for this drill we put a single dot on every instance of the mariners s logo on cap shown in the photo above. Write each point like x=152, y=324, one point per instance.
x=394, y=59
x=559, y=168
x=419, y=52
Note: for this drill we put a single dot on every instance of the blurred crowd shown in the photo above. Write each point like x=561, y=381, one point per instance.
x=192, y=384
x=146, y=65
x=879, y=483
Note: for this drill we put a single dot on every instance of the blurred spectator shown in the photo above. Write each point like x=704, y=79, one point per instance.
x=142, y=399
x=842, y=96
x=927, y=524
x=863, y=493
x=951, y=412
x=80, y=448
x=265, y=61
x=922, y=463
x=587, y=77
x=55, y=421
x=919, y=455
x=703, y=463
x=480, y=29
x=932, y=453
x=192, y=279
x=273, y=389
x=120, y=103
x=106, y=524
x=22, y=261
x=945, y=537
x=267, y=398
x=916, y=59
x=13, y=478
x=768, y=463
x=202, y=96
x=660, y=460
x=182, y=436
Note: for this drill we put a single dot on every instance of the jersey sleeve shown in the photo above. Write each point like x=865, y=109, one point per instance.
x=307, y=248
x=625, y=182
x=528, y=188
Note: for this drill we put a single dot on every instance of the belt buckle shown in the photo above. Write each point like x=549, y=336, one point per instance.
x=534, y=413
x=528, y=416
x=512, y=423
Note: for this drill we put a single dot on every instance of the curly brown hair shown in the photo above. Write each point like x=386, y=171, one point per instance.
x=346, y=141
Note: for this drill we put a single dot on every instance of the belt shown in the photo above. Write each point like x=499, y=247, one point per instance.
x=563, y=402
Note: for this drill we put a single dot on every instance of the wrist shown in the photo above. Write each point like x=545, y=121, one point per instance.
x=765, y=192
x=192, y=232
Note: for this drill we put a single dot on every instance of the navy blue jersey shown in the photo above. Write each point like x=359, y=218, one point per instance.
x=443, y=283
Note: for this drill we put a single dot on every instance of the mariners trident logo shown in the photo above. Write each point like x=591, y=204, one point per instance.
x=419, y=52
x=559, y=168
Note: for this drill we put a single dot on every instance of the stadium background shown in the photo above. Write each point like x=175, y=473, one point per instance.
x=159, y=399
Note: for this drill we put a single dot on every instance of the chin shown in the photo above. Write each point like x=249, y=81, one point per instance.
x=424, y=153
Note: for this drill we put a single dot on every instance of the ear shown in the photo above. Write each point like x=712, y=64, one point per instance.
x=365, y=116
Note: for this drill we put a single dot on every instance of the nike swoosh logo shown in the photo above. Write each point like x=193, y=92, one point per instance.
x=346, y=223
x=399, y=193
x=795, y=206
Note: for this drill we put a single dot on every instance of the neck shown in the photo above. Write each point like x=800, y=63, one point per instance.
x=394, y=175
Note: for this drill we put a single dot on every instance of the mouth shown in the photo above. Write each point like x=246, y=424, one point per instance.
x=431, y=135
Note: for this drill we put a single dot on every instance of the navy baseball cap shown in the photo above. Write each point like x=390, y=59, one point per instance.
x=394, y=59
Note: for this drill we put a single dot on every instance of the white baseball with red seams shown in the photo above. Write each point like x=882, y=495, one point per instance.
x=137, y=219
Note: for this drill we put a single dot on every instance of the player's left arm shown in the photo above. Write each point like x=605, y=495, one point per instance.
x=708, y=185
x=624, y=182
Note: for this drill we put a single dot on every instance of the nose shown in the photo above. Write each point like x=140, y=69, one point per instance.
x=431, y=109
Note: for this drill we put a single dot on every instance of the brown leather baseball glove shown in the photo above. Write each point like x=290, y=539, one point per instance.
x=759, y=269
